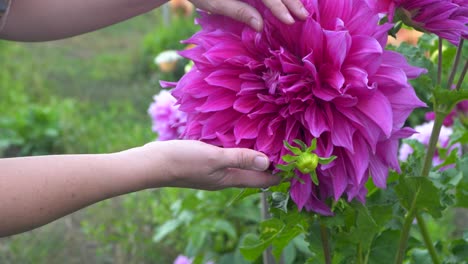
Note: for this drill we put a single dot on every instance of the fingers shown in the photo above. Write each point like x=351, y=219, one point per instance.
x=249, y=179
x=281, y=8
x=234, y=9
x=246, y=159
x=297, y=8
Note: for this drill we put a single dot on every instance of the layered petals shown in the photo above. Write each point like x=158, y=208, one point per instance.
x=327, y=77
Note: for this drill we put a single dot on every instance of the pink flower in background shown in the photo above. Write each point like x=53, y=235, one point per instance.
x=167, y=119
x=446, y=18
x=186, y=260
x=182, y=260
x=328, y=77
x=423, y=136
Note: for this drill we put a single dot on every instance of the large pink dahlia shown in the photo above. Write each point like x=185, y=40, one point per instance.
x=327, y=77
x=446, y=18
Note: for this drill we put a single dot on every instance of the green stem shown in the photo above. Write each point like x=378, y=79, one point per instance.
x=455, y=64
x=325, y=244
x=427, y=239
x=359, y=254
x=439, y=62
x=462, y=76
x=439, y=119
x=405, y=232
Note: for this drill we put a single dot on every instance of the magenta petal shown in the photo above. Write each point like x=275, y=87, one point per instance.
x=300, y=192
x=378, y=109
x=246, y=129
x=316, y=121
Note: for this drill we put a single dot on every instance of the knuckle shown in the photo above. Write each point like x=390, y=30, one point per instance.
x=242, y=13
x=242, y=159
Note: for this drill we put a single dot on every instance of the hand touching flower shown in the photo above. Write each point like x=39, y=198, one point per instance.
x=241, y=11
x=194, y=164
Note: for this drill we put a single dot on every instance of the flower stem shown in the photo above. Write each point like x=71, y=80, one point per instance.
x=439, y=119
x=455, y=64
x=359, y=254
x=439, y=63
x=427, y=239
x=462, y=76
x=325, y=244
x=405, y=232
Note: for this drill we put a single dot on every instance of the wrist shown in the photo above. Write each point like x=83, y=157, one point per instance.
x=145, y=167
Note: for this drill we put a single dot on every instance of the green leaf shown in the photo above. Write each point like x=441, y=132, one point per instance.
x=420, y=191
x=294, y=150
x=246, y=192
x=253, y=246
x=366, y=228
x=221, y=225
x=280, y=200
x=165, y=229
x=445, y=100
x=384, y=248
x=450, y=159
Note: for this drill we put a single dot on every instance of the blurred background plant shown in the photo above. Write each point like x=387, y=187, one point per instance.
x=90, y=94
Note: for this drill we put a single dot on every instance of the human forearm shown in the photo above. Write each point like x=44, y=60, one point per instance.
x=39, y=20
x=37, y=190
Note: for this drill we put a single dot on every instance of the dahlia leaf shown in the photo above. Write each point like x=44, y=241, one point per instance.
x=253, y=246
x=448, y=160
x=243, y=194
x=421, y=192
x=384, y=248
x=280, y=200
x=295, y=150
x=445, y=100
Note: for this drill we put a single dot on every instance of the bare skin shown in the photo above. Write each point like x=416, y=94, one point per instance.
x=43, y=20
x=37, y=190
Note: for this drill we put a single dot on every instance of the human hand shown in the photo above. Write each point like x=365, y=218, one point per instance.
x=243, y=12
x=197, y=165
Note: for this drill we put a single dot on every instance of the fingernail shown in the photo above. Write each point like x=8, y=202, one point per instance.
x=304, y=11
x=288, y=18
x=255, y=24
x=261, y=163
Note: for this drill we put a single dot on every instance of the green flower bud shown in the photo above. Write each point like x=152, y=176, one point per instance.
x=307, y=162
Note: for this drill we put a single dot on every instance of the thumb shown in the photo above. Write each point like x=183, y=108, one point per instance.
x=246, y=159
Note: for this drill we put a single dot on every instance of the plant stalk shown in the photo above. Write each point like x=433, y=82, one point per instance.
x=427, y=239
x=455, y=64
x=325, y=244
x=439, y=63
x=359, y=254
x=438, y=122
x=267, y=254
x=405, y=232
x=462, y=76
